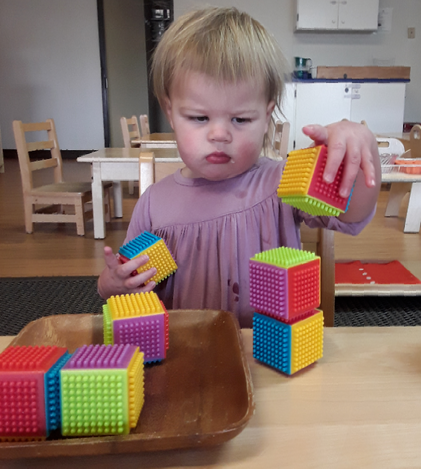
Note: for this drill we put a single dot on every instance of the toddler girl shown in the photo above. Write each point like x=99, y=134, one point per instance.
x=218, y=76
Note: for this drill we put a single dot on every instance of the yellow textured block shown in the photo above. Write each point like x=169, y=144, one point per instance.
x=161, y=259
x=298, y=172
x=306, y=341
x=133, y=305
x=136, y=387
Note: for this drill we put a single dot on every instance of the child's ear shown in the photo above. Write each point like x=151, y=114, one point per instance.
x=168, y=110
x=269, y=110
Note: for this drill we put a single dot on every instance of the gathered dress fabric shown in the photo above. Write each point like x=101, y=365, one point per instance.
x=213, y=229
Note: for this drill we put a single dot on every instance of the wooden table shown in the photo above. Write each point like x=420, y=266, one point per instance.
x=117, y=164
x=156, y=140
x=358, y=407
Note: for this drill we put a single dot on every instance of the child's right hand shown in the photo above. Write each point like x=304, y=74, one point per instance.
x=117, y=278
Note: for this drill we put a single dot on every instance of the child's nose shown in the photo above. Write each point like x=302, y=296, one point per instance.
x=219, y=133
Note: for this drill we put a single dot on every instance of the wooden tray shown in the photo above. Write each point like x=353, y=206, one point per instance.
x=200, y=395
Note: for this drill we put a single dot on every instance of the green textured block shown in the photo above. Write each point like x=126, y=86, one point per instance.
x=94, y=402
x=312, y=206
x=108, y=326
x=284, y=257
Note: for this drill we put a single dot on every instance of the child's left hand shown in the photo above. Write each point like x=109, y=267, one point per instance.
x=355, y=145
x=351, y=142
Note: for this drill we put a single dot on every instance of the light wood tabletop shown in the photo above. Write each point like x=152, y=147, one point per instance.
x=156, y=140
x=358, y=407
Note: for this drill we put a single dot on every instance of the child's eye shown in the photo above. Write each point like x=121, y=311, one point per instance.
x=241, y=120
x=199, y=118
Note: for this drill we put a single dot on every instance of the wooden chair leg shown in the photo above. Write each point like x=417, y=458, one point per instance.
x=28, y=209
x=397, y=192
x=107, y=205
x=80, y=217
x=131, y=187
x=327, y=254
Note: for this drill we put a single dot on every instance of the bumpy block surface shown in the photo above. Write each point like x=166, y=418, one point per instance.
x=285, y=283
x=159, y=255
x=29, y=393
x=302, y=184
x=102, y=390
x=288, y=347
x=139, y=319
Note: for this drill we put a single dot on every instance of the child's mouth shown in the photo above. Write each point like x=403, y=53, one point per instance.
x=218, y=158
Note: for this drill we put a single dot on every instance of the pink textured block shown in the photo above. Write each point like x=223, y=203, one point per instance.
x=285, y=294
x=146, y=332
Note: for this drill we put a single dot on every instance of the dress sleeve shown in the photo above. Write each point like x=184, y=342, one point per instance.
x=333, y=223
x=141, y=218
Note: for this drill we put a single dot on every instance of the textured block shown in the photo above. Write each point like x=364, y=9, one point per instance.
x=28, y=392
x=302, y=184
x=285, y=283
x=102, y=390
x=138, y=319
x=159, y=255
x=288, y=347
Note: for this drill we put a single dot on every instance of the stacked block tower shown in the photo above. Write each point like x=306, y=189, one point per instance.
x=30, y=392
x=154, y=247
x=138, y=319
x=285, y=292
x=303, y=187
x=102, y=390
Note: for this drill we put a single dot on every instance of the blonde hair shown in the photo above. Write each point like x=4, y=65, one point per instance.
x=225, y=44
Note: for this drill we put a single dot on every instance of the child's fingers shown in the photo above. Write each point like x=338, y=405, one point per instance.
x=137, y=283
x=110, y=258
x=368, y=167
x=351, y=168
x=317, y=133
x=126, y=269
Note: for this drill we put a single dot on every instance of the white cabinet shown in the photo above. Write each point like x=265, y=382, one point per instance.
x=381, y=105
x=334, y=15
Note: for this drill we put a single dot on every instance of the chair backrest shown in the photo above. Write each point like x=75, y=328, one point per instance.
x=144, y=125
x=130, y=131
x=390, y=146
x=321, y=242
x=278, y=135
x=24, y=148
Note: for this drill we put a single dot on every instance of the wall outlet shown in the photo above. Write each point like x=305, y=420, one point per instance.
x=411, y=33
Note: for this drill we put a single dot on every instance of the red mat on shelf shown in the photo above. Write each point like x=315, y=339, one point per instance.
x=361, y=273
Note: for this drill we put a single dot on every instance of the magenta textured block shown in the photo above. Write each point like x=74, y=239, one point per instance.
x=101, y=356
x=268, y=289
x=146, y=332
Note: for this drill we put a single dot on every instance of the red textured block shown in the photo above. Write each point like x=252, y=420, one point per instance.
x=303, y=288
x=22, y=395
x=328, y=193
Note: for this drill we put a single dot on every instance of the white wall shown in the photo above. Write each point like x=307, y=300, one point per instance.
x=336, y=49
x=50, y=67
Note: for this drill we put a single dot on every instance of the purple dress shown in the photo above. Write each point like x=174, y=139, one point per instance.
x=214, y=228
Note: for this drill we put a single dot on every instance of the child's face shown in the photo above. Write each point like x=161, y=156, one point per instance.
x=219, y=128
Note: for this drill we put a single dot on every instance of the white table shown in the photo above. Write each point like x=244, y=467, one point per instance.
x=117, y=164
x=402, y=183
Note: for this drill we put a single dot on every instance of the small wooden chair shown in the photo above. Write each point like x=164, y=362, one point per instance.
x=322, y=243
x=144, y=125
x=278, y=135
x=51, y=197
x=130, y=131
x=415, y=142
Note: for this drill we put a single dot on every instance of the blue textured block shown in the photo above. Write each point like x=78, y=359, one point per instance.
x=52, y=394
x=272, y=342
x=139, y=244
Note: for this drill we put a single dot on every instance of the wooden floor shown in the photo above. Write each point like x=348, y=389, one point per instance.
x=55, y=249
